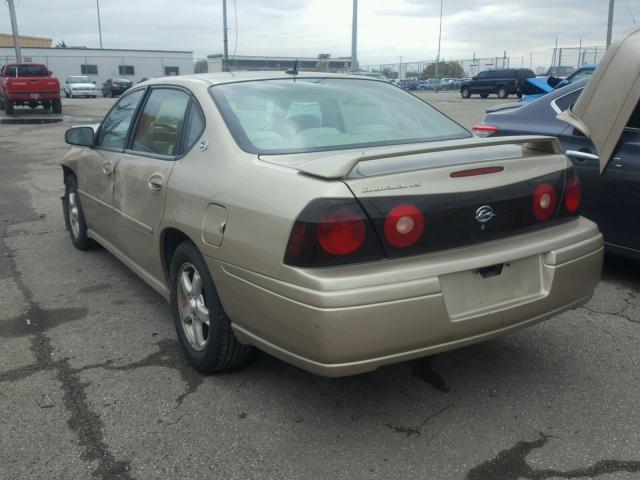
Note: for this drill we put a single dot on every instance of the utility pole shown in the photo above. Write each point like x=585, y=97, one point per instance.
x=437, y=69
x=610, y=22
x=225, y=60
x=14, y=28
x=99, y=25
x=354, y=37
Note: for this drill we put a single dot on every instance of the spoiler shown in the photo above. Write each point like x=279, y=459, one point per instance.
x=332, y=167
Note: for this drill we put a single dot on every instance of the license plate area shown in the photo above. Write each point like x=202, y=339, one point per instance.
x=35, y=95
x=492, y=288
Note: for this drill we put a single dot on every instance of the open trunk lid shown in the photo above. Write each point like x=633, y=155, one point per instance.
x=609, y=99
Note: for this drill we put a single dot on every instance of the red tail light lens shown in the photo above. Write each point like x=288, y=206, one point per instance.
x=342, y=232
x=573, y=195
x=485, y=130
x=404, y=225
x=545, y=200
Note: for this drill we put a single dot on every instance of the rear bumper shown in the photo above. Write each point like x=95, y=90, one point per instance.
x=348, y=320
x=27, y=97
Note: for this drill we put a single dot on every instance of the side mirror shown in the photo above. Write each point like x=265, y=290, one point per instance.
x=94, y=82
x=80, y=136
x=474, y=78
x=50, y=72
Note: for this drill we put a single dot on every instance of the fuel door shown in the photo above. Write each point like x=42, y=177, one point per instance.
x=215, y=222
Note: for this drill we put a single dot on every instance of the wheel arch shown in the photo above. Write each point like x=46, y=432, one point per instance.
x=170, y=238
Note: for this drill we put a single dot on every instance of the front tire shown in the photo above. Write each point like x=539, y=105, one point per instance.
x=202, y=326
x=465, y=92
x=74, y=215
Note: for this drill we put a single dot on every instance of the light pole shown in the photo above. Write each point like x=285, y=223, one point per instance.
x=354, y=37
x=437, y=69
x=99, y=24
x=225, y=60
x=610, y=22
x=14, y=28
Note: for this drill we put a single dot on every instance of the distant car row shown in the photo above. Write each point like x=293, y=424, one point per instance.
x=522, y=82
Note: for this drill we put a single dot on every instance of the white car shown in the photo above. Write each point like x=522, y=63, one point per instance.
x=80, y=86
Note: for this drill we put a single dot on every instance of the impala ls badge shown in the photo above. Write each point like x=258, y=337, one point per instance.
x=484, y=214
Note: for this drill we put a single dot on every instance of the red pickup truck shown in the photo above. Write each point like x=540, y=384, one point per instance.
x=30, y=84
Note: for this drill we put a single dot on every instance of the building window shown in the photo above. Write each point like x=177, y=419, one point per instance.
x=89, y=69
x=171, y=71
x=126, y=70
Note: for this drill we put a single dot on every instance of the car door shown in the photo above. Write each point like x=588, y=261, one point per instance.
x=477, y=85
x=143, y=172
x=95, y=171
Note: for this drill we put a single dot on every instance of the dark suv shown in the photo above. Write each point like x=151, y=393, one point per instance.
x=501, y=82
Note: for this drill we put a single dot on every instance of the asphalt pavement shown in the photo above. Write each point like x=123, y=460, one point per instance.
x=93, y=383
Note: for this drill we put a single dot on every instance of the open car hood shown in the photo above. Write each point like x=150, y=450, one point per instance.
x=539, y=85
x=607, y=102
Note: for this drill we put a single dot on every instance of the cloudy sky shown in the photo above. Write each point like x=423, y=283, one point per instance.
x=387, y=28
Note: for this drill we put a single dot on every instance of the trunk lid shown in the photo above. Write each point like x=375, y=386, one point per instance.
x=607, y=102
x=468, y=191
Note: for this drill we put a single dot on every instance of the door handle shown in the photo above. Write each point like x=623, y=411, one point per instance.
x=107, y=168
x=580, y=156
x=156, y=182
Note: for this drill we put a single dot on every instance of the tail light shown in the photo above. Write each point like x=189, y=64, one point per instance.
x=545, y=201
x=342, y=232
x=573, y=195
x=332, y=232
x=404, y=225
x=485, y=130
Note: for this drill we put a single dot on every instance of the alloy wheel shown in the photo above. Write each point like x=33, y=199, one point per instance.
x=194, y=313
x=74, y=214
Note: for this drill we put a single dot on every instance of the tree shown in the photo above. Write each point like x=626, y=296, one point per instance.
x=61, y=44
x=201, y=66
x=447, y=69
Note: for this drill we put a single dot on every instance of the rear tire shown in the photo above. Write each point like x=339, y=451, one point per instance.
x=465, y=92
x=74, y=215
x=56, y=106
x=202, y=326
x=8, y=107
x=66, y=94
x=502, y=92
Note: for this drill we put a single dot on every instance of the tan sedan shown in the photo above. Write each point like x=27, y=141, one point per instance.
x=338, y=223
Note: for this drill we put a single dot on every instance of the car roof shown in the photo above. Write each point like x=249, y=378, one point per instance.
x=232, y=77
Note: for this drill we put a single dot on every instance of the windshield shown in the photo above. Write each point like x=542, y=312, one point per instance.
x=79, y=80
x=317, y=114
x=27, y=71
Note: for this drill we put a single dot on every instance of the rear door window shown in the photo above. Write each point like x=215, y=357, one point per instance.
x=160, y=123
x=115, y=127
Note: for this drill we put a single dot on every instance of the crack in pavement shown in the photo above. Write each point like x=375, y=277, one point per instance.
x=85, y=423
x=416, y=430
x=628, y=304
x=511, y=464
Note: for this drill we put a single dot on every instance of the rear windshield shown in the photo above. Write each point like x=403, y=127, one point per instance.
x=27, y=71
x=315, y=114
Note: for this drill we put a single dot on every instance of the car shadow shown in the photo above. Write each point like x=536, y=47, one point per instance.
x=622, y=270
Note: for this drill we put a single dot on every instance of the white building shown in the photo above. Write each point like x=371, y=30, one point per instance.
x=322, y=62
x=101, y=64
